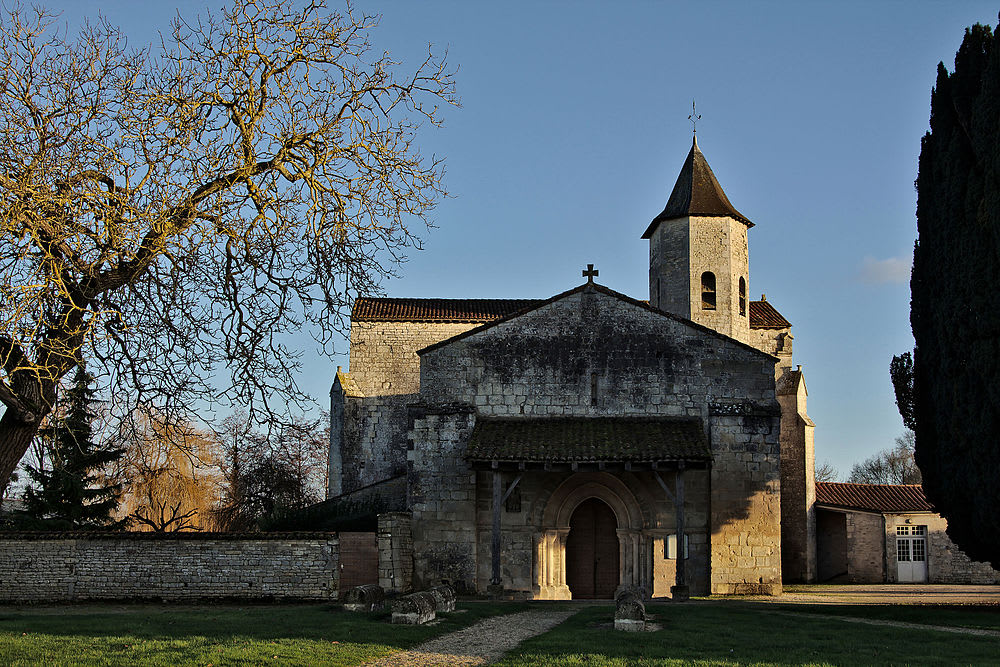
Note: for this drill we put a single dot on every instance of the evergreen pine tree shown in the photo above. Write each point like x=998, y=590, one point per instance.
x=955, y=307
x=72, y=493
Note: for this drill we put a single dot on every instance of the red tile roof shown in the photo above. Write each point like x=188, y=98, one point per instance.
x=372, y=309
x=368, y=309
x=764, y=316
x=883, y=498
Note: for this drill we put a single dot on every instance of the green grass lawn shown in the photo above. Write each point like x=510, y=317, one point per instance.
x=706, y=633
x=985, y=617
x=222, y=635
x=741, y=634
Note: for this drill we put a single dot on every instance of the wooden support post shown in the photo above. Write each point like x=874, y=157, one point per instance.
x=497, y=502
x=680, y=592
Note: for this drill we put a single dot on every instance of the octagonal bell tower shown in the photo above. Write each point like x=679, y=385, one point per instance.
x=699, y=262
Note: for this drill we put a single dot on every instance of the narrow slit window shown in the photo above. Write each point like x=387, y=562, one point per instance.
x=743, y=297
x=708, y=291
x=593, y=388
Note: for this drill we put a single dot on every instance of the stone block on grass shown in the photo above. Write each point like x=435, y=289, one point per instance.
x=630, y=611
x=444, y=596
x=366, y=598
x=414, y=609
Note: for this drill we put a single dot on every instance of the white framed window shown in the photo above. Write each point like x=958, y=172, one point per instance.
x=670, y=547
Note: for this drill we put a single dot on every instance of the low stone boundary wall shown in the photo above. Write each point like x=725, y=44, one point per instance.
x=63, y=567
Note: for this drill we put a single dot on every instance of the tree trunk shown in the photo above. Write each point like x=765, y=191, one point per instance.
x=15, y=438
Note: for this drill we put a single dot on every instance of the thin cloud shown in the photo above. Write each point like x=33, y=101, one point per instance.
x=893, y=270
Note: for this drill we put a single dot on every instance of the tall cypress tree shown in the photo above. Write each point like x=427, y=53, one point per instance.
x=955, y=307
x=72, y=493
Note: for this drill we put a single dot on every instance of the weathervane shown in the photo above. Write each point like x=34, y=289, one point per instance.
x=694, y=118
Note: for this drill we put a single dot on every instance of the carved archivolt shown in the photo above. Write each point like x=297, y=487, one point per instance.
x=550, y=543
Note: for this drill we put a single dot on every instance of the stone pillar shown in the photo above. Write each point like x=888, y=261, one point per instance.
x=395, y=552
x=550, y=565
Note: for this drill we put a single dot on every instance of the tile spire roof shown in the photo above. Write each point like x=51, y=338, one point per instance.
x=696, y=192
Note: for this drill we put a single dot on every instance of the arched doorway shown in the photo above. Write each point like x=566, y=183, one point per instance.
x=592, y=567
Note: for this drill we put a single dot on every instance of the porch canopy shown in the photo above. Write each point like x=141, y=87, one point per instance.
x=588, y=443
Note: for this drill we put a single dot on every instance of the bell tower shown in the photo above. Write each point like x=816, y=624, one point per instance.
x=699, y=262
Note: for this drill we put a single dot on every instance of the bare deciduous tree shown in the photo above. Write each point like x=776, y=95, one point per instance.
x=170, y=476
x=890, y=466
x=166, y=213
x=826, y=472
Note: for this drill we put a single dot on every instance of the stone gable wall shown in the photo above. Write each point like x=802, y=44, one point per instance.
x=65, y=567
x=386, y=369
x=545, y=363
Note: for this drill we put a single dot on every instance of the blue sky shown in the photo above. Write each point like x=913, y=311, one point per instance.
x=574, y=126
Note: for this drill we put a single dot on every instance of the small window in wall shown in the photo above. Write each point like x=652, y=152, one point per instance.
x=708, y=291
x=513, y=503
x=743, y=297
x=670, y=547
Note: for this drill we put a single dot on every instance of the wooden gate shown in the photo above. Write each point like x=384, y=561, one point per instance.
x=592, y=568
x=358, y=560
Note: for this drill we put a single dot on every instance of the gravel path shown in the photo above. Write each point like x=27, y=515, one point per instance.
x=478, y=644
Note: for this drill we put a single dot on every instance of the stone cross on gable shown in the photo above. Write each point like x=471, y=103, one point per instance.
x=590, y=273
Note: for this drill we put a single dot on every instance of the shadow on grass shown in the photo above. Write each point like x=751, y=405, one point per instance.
x=712, y=634
x=160, y=634
x=265, y=622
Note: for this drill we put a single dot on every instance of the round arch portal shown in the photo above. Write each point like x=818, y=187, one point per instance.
x=551, y=561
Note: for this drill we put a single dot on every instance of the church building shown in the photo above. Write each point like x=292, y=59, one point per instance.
x=569, y=447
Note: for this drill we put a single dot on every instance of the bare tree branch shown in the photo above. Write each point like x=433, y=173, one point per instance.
x=173, y=215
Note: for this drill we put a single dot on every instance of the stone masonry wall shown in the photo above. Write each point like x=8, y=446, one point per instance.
x=441, y=496
x=395, y=552
x=593, y=354
x=719, y=245
x=386, y=369
x=746, y=503
x=669, y=268
x=64, y=567
x=946, y=563
x=865, y=548
x=798, y=482
x=681, y=250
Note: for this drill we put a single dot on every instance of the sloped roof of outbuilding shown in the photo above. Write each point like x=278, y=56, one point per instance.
x=882, y=498
x=588, y=439
x=696, y=193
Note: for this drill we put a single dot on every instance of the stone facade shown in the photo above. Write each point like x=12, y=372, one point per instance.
x=368, y=406
x=420, y=382
x=65, y=567
x=860, y=547
x=592, y=353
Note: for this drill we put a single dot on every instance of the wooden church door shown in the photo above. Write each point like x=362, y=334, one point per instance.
x=592, y=567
